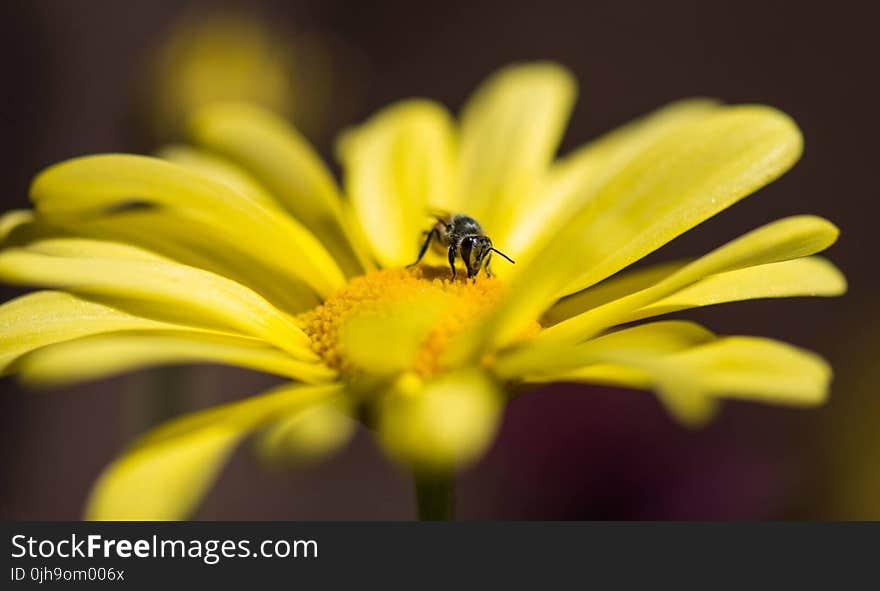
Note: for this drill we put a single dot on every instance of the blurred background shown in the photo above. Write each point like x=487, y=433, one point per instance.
x=99, y=76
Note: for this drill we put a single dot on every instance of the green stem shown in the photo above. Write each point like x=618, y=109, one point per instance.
x=435, y=495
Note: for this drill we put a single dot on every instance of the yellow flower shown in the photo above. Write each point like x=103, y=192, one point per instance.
x=223, y=55
x=243, y=250
x=207, y=57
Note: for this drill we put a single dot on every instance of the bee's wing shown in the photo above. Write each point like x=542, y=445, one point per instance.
x=441, y=215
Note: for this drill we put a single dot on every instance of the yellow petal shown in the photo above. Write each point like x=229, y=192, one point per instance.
x=195, y=244
x=574, y=180
x=309, y=435
x=167, y=472
x=284, y=162
x=399, y=166
x=148, y=285
x=510, y=129
x=808, y=276
x=219, y=169
x=103, y=355
x=687, y=367
x=440, y=425
x=86, y=187
x=696, y=171
x=622, y=284
x=687, y=405
x=607, y=374
x=747, y=368
x=160, y=230
x=753, y=368
x=651, y=340
x=692, y=173
x=186, y=239
x=84, y=248
x=24, y=226
x=784, y=239
x=47, y=317
x=13, y=219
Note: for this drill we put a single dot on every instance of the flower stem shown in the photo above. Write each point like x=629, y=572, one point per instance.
x=435, y=495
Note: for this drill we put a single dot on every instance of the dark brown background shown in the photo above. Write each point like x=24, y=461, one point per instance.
x=69, y=70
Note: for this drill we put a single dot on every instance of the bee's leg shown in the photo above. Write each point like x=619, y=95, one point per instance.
x=452, y=253
x=431, y=235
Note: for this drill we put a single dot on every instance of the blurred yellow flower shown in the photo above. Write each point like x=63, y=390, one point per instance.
x=243, y=250
x=211, y=56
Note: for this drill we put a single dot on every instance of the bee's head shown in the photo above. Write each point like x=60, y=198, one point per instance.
x=475, y=252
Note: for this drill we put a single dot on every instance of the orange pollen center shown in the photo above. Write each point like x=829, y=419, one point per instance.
x=395, y=296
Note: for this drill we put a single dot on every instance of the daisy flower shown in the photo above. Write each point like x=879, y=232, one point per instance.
x=242, y=249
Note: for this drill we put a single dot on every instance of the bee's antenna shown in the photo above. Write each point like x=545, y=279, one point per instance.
x=502, y=254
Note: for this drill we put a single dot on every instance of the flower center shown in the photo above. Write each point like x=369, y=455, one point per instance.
x=421, y=304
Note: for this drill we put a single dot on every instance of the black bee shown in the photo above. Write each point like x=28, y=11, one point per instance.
x=461, y=235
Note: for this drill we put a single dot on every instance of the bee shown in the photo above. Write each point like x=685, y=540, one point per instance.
x=463, y=236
